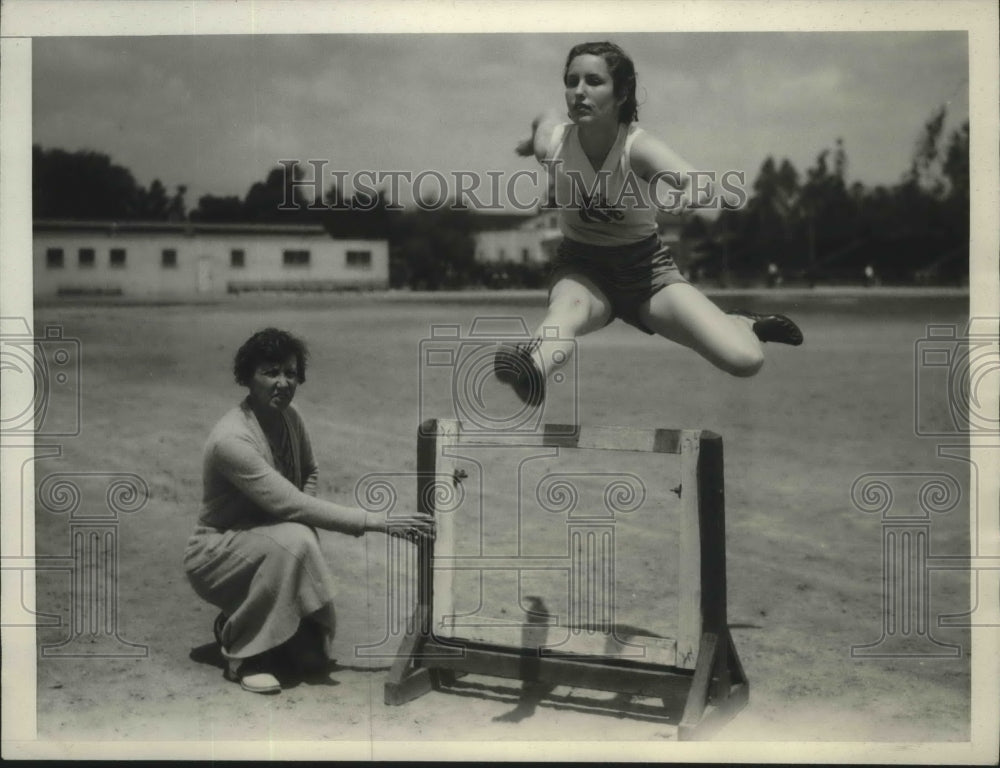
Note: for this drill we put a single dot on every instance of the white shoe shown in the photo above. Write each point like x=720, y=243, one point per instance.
x=250, y=677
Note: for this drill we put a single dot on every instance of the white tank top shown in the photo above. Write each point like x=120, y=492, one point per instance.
x=610, y=206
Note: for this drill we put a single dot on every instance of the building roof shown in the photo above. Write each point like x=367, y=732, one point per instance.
x=187, y=228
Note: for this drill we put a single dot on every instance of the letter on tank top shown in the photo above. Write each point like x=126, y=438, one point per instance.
x=610, y=207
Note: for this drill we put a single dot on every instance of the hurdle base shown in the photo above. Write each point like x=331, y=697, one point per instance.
x=414, y=684
x=719, y=689
x=407, y=679
x=712, y=694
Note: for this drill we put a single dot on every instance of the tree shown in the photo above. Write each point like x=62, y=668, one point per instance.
x=363, y=216
x=925, y=167
x=82, y=185
x=824, y=197
x=957, y=204
x=434, y=249
x=214, y=209
x=154, y=204
x=924, y=221
x=176, y=208
x=88, y=185
x=279, y=199
x=767, y=224
x=822, y=227
x=955, y=165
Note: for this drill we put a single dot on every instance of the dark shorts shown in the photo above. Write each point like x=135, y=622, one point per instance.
x=628, y=275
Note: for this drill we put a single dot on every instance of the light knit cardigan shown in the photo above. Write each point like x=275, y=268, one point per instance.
x=243, y=487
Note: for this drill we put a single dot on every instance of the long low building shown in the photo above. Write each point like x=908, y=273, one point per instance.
x=520, y=239
x=179, y=259
x=534, y=239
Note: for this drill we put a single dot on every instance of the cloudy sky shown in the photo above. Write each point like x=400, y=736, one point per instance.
x=216, y=112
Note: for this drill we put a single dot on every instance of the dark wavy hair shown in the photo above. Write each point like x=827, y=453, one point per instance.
x=269, y=346
x=622, y=71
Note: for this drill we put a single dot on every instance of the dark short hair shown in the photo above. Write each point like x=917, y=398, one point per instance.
x=269, y=346
x=622, y=70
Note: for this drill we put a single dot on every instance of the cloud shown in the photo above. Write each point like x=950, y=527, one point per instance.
x=216, y=112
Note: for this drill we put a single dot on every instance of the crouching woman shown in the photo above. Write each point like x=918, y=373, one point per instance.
x=255, y=553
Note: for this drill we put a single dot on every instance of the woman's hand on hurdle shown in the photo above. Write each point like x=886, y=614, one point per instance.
x=415, y=527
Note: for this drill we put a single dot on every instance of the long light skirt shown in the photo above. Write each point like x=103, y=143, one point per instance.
x=266, y=579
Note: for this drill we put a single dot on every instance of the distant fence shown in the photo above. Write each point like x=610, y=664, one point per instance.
x=88, y=291
x=300, y=286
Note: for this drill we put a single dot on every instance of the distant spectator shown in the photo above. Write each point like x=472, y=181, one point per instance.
x=773, y=275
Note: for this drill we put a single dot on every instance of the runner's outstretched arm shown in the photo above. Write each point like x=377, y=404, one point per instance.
x=541, y=134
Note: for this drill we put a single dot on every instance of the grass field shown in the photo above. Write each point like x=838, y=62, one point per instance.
x=805, y=562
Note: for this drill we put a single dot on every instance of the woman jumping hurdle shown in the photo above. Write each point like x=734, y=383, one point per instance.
x=607, y=176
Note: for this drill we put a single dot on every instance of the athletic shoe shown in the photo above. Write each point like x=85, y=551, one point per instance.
x=514, y=366
x=777, y=328
x=251, y=676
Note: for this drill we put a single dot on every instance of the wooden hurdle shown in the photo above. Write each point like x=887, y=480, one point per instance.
x=703, y=669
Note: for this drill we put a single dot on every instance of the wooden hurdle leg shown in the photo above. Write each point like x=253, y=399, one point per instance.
x=719, y=688
x=407, y=680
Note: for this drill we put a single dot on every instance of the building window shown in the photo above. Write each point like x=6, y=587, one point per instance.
x=525, y=255
x=54, y=258
x=296, y=258
x=118, y=257
x=85, y=258
x=168, y=258
x=237, y=258
x=359, y=259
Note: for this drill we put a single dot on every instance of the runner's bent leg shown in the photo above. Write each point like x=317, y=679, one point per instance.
x=681, y=313
x=576, y=307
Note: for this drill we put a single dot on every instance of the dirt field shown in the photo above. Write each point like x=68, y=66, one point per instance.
x=805, y=564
